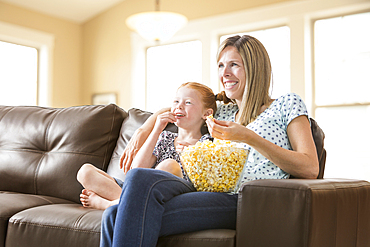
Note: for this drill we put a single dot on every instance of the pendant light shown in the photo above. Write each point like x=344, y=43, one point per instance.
x=156, y=25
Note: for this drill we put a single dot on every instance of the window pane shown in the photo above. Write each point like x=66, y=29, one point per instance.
x=279, y=52
x=342, y=60
x=346, y=140
x=18, y=74
x=168, y=67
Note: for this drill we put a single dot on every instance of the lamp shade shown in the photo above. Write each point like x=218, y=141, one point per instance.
x=156, y=25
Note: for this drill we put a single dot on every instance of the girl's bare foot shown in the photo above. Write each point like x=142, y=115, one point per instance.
x=90, y=199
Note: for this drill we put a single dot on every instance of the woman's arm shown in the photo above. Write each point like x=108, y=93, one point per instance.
x=137, y=140
x=301, y=162
x=144, y=157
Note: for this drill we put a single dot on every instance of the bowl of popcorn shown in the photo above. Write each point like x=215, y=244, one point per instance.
x=214, y=166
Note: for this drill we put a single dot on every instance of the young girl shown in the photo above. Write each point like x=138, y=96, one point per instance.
x=192, y=104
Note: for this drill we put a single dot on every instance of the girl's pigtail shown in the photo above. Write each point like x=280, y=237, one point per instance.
x=222, y=97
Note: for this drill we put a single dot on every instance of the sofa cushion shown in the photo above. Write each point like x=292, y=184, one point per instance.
x=132, y=122
x=135, y=118
x=12, y=203
x=41, y=149
x=39, y=226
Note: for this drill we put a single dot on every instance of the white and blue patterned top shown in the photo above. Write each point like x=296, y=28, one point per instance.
x=272, y=125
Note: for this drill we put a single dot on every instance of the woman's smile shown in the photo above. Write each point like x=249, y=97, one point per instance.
x=230, y=84
x=232, y=73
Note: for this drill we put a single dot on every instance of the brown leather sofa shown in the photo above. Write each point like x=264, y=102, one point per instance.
x=41, y=150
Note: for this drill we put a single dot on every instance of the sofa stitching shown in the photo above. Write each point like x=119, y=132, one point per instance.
x=53, y=227
x=10, y=109
x=78, y=220
x=200, y=239
x=47, y=130
x=37, y=172
x=358, y=216
x=109, y=138
x=315, y=189
x=40, y=197
x=38, y=151
x=307, y=217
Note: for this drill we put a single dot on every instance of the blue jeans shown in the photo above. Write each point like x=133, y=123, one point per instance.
x=155, y=203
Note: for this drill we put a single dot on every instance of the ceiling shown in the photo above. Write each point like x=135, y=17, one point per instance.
x=73, y=10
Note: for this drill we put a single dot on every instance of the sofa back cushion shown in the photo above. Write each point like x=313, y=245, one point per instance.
x=132, y=122
x=41, y=149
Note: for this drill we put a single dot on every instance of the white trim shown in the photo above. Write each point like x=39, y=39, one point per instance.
x=298, y=15
x=42, y=41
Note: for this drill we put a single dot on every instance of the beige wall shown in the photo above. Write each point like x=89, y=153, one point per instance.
x=106, y=50
x=95, y=57
x=66, y=88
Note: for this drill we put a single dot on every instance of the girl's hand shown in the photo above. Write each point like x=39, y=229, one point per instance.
x=227, y=130
x=162, y=121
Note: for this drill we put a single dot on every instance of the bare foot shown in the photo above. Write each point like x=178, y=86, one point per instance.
x=90, y=199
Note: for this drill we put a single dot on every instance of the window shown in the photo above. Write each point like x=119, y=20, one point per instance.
x=317, y=67
x=35, y=42
x=18, y=74
x=341, y=96
x=279, y=53
x=169, y=66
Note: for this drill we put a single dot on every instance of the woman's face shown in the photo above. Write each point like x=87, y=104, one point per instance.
x=231, y=73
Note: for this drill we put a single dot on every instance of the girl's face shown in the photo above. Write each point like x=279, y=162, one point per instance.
x=188, y=108
x=231, y=73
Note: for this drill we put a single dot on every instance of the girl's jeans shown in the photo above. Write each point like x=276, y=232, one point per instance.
x=156, y=203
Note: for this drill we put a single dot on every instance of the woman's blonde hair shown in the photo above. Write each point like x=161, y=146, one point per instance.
x=207, y=95
x=257, y=67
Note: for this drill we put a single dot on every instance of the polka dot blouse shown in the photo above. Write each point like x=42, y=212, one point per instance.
x=272, y=125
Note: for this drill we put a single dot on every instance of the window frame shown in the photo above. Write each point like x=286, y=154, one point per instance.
x=343, y=13
x=44, y=43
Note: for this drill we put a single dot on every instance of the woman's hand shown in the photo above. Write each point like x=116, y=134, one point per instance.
x=227, y=130
x=130, y=151
x=301, y=162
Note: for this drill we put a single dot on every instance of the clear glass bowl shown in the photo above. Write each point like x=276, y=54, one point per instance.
x=216, y=169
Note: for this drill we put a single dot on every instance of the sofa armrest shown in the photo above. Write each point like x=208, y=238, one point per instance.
x=304, y=212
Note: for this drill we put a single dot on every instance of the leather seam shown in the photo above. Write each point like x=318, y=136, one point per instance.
x=52, y=227
x=9, y=110
x=200, y=239
x=77, y=222
x=43, y=152
x=109, y=138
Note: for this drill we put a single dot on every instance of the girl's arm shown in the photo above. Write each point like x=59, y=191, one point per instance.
x=138, y=139
x=144, y=157
x=301, y=162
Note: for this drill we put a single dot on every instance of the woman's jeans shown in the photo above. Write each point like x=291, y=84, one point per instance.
x=156, y=203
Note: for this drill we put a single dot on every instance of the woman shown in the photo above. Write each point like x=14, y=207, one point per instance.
x=277, y=132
